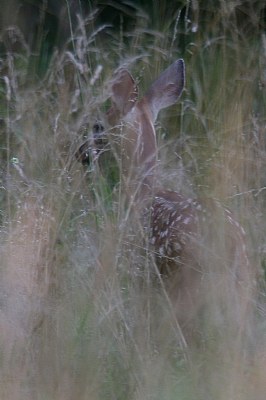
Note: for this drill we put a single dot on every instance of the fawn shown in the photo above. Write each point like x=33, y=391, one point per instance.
x=176, y=224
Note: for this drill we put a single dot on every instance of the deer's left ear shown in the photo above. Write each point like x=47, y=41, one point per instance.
x=167, y=89
x=124, y=91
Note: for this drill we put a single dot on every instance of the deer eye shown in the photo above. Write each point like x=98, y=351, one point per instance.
x=97, y=128
x=99, y=135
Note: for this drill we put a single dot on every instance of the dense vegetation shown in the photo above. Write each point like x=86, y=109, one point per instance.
x=81, y=314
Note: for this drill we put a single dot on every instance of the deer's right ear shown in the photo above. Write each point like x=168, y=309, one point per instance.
x=124, y=91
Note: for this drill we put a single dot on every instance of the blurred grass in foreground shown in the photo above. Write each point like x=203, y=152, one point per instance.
x=81, y=314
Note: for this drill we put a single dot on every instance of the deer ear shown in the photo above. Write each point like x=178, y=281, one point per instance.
x=124, y=91
x=167, y=89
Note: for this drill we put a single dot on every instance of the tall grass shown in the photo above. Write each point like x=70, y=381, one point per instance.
x=83, y=313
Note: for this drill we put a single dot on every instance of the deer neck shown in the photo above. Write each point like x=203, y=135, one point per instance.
x=138, y=154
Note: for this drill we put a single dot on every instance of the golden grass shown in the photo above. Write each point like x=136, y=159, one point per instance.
x=83, y=311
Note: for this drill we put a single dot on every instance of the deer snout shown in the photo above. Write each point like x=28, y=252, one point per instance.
x=93, y=146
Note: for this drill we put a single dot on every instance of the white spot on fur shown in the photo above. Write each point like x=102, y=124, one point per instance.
x=161, y=250
x=177, y=246
x=164, y=234
x=152, y=241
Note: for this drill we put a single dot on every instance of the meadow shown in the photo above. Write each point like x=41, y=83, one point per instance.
x=83, y=311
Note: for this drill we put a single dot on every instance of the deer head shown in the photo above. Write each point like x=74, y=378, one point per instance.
x=130, y=126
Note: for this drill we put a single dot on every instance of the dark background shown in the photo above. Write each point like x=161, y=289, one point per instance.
x=48, y=24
